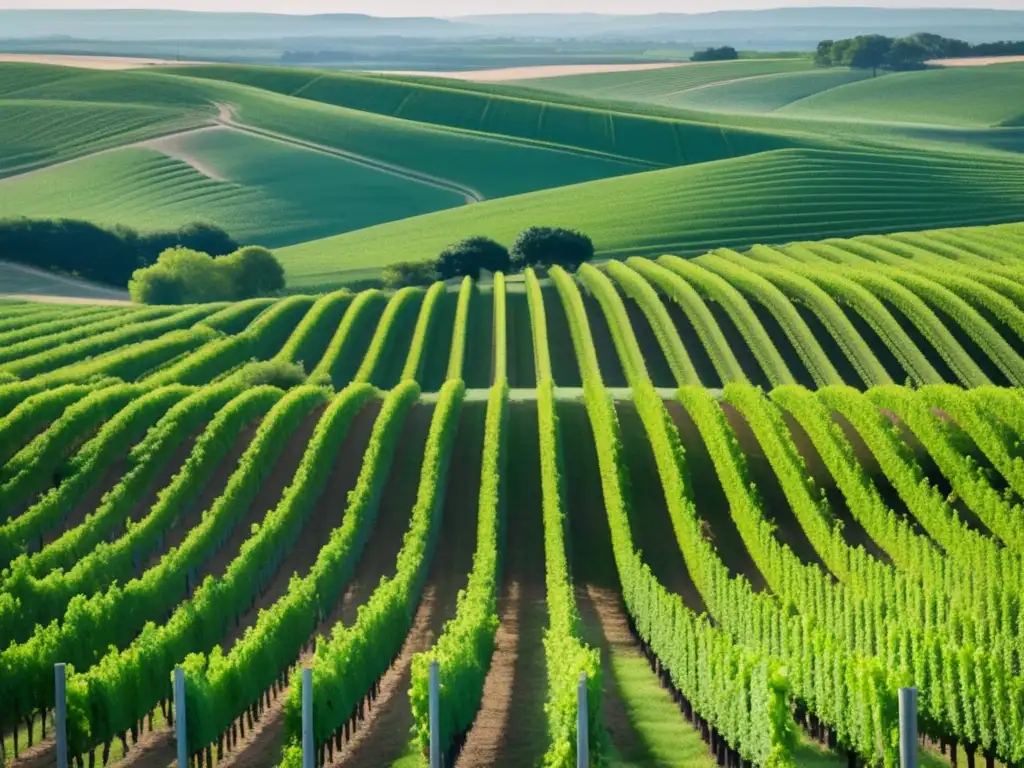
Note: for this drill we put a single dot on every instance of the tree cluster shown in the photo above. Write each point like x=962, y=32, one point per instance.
x=725, y=53
x=187, y=276
x=876, y=52
x=104, y=255
x=534, y=247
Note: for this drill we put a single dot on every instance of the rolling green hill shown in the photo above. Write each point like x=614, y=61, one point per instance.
x=959, y=96
x=766, y=93
x=255, y=188
x=38, y=133
x=771, y=197
x=516, y=113
x=666, y=86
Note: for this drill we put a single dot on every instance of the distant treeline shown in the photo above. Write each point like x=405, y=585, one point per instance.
x=902, y=53
x=725, y=53
x=104, y=255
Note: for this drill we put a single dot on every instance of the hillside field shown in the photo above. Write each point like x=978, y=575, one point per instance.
x=171, y=497
x=720, y=492
x=720, y=154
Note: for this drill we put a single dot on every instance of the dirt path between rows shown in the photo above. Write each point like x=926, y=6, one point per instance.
x=510, y=730
x=385, y=736
x=710, y=499
x=212, y=490
x=264, y=744
x=156, y=749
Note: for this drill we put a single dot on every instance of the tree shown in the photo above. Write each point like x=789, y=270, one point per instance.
x=255, y=272
x=546, y=246
x=156, y=285
x=823, y=55
x=405, y=273
x=469, y=256
x=725, y=53
x=185, y=276
x=907, y=53
x=106, y=255
x=869, y=52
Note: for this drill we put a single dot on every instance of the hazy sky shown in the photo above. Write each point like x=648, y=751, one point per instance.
x=459, y=7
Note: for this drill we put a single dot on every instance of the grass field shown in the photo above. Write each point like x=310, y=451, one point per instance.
x=314, y=511
x=771, y=197
x=964, y=96
x=514, y=112
x=256, y=188
x=667, y=86
x=766, y=93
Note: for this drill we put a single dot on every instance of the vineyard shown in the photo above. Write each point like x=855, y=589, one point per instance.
x=747, y=496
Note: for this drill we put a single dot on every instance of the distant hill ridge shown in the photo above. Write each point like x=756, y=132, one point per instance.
x=796, y=24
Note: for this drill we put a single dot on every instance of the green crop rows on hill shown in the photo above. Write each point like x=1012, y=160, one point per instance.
x=719, y=154
x=154, y=518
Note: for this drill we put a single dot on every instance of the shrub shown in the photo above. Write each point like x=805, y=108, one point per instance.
x=275, y=373
x=469, y=256
x=547, y=246
x=255, y=272
x=406, y=273
x=186, y=276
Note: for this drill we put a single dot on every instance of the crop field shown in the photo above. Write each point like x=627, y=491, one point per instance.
x=719, y=154
x=668, y=86
x=769, y=197
x=959, y=96
x=254, y=187
x=745, y=495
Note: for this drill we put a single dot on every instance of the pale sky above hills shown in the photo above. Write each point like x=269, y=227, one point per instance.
x=462, y=7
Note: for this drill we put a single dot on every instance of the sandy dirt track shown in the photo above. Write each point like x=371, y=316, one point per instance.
x=980, y=61
x=527, y=73
x=90, y=62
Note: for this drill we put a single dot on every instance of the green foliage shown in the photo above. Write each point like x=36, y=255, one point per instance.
x=251, y=349
x=274, y=373
x=106, y=255
x=219, y=686
x=32, y=468
x=793, y=325
x=468, y=257
x=464, y=650
x=566, y=655
x=183, y=276
x=34, y=412
x=254, y=272
x=775, y=197
x=36, y=595
x=355, y=657
x=85, y=469
x=139, y=675
x=547, y=246
x=874, y=51
x=421, y=334
x=724, y=53
x=405, y=274
x=714, y=288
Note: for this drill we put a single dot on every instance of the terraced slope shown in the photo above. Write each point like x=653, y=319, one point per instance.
x=721, y=564
x=771, y=197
